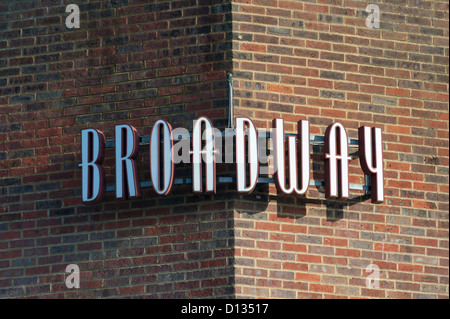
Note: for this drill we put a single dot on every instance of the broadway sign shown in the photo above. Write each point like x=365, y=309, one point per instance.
x=291, y=171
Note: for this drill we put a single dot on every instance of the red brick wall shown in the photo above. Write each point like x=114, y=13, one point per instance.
x=135, y=61
x=317, y=60
x=129, y=62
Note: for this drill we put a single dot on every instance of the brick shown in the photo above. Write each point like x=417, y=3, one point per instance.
x=290, y=59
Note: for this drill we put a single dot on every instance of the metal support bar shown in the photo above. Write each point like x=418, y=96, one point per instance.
x=313, y=139
x=230, y=179
x=367, y=183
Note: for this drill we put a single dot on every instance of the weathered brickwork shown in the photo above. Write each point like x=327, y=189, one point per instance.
x=129, y=62
x=317, y=60
x=136, y=61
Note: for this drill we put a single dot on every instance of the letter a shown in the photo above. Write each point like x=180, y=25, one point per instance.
x=375, y=16
x=73, y=280
x=375, y=275
x=73, y=20
x=208, y=155
x=93, y=174
x=336, y=151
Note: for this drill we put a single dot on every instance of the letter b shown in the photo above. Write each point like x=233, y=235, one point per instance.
x=93, y=174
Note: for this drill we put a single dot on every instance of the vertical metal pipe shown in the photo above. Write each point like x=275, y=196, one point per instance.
x=230, y=101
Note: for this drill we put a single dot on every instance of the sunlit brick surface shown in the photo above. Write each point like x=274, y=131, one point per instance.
x=136, y=61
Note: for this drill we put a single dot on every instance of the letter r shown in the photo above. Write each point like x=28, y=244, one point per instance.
x=127, y=148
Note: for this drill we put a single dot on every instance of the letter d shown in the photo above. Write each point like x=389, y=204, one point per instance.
x=227, y=310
